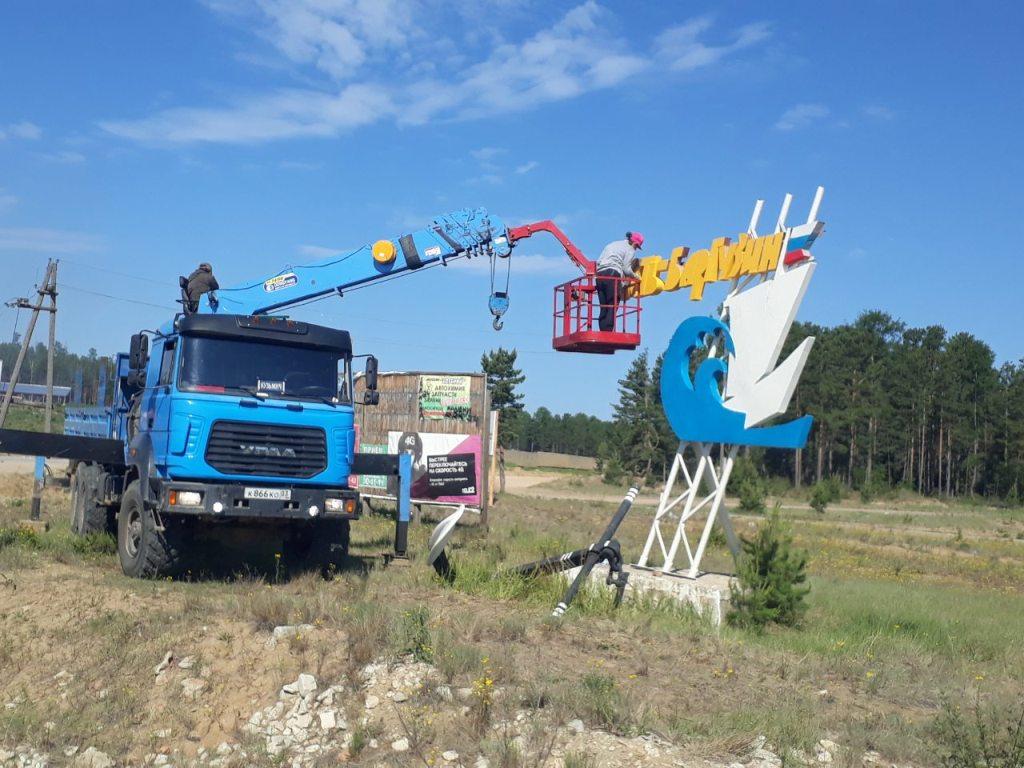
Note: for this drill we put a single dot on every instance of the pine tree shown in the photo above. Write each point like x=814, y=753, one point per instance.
x=502, y=379
x=771, y=577
x=634, y=441
x=668, y=443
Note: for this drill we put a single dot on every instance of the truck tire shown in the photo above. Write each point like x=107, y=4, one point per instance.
x=322, y=545
x=144, y=551
x=88, y=513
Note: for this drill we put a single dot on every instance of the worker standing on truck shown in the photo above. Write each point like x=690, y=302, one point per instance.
x=199, y=282
x=617, y=260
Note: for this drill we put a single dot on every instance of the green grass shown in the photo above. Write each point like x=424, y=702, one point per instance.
x=33, y=418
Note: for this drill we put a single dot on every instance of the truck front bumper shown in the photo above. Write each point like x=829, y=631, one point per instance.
x=229, y=501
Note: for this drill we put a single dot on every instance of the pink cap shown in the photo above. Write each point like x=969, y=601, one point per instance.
x=636, y=239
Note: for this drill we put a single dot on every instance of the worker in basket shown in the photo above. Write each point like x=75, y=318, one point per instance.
x=617, y=260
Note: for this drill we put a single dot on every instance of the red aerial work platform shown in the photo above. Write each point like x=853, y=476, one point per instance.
x=577, y=307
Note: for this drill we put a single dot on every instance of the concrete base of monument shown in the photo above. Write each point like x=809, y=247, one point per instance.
x=708, y=594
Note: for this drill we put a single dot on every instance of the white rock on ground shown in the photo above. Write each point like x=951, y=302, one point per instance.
x=306, y=684
x=287, y=631
x=187, y=663
x=400, y=745
x=451, y=755
x=192, y=686
x=168, y=657
x=93, y=758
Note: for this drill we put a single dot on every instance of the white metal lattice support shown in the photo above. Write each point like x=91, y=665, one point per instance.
x=693, y=502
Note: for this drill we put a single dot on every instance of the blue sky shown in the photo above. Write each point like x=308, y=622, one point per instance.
x=137, y=139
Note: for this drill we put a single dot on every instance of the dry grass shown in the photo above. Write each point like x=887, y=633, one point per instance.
x=901, y=617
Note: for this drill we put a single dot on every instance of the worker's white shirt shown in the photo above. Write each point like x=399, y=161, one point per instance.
x=619, y=256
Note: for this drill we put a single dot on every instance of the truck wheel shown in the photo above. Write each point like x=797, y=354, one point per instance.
x=323, y=545
x=88, y=514
x=144, y=551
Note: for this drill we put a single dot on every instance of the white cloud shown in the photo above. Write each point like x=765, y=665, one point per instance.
x=337, y=37
x=48, y=241
x=64, y=157
x=526, y=167
x=22, y=130
x=285, y=114
x=418, y=61
x=486, y=154
x=681, y=47
x=801, y=116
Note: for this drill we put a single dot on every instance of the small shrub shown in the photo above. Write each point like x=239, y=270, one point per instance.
x=613, y=472
x=752, y=494
x=95, y=544
x=579, y=760
x=771, y=577
x=20, y=536
x=414, y=634
x=988, y=736
x=824, y=493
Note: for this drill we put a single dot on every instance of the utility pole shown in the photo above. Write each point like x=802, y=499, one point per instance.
x=46, y=290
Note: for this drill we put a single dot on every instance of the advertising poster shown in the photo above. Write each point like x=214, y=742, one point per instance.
x=446, y=468
x=445, y=397
x=373, y=482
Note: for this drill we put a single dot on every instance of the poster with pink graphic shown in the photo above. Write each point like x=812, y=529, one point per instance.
x=446, y=468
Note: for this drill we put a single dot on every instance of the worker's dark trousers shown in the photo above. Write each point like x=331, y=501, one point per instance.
x=608, y=295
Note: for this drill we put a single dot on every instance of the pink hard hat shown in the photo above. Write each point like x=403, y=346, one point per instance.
x=635, y=238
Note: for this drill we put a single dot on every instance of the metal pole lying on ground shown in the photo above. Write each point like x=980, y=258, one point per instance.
x=554, y=564
x=604, y=548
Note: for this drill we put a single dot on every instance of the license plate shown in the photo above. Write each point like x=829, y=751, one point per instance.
x=274, y=494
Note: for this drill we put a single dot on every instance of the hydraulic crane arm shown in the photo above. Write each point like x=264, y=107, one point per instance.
x=526, y=230
x=469, y=232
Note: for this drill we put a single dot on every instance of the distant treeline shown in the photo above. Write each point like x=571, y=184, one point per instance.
x=894, y=406
x=909, y=407
x=578, y=433
x=65, y=363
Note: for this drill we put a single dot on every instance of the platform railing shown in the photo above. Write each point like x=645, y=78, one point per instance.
x=577, y=307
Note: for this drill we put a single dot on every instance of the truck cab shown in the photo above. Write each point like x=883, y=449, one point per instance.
x=237, y=416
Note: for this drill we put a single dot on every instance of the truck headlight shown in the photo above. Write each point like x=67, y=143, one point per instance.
x=334, y=505
x=185, y=498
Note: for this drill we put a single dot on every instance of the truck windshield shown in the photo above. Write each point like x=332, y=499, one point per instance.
x=236, y=365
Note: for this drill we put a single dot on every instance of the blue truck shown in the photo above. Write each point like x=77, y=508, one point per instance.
x=232, y=413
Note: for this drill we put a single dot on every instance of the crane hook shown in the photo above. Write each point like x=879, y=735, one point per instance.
x=498, y=304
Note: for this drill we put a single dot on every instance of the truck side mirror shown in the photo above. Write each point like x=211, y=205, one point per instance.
x=371, y=373
x=138, y=352
x=371, y=396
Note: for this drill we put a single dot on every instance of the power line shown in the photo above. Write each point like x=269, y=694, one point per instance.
x=113, y=272
x=116, y=298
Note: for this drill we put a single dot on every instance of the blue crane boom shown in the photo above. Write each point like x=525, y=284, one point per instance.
x=465, y=233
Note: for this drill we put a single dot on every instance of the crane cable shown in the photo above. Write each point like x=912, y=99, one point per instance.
x=498, y=300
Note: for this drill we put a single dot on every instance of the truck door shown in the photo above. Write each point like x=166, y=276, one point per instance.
x=159, y=410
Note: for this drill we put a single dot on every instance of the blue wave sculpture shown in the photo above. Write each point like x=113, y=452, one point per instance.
x=694, y=407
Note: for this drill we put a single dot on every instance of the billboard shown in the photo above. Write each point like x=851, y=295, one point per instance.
x=444, y=397
x=446, y=468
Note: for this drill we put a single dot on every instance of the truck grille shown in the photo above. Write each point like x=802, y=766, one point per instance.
x=243, y=448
